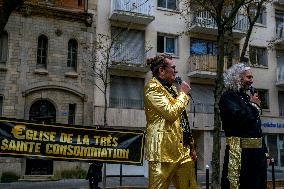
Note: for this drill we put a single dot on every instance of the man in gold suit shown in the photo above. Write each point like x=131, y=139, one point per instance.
x=169, y=143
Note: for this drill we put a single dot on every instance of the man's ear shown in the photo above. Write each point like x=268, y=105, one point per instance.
x=161, y=70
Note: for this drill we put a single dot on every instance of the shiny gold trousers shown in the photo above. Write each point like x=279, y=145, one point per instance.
x=182, y=173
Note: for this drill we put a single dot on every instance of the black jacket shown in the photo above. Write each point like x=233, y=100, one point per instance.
x=239, y=117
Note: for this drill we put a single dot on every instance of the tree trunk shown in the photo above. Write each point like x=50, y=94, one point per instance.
x=219, y=85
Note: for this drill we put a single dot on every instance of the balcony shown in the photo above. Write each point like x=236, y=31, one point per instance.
x=134, y=11
x=205, y=66
x=280, y=76
x=125, y=58
x=278, y=2
x=120, y=117
x=204, y=23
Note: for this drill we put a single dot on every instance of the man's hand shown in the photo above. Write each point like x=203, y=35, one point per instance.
x=193, y=155
x=255, y=99
x=184, y=87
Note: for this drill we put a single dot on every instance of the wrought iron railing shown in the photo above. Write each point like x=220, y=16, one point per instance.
x=116, y=102
x=202, y=107
x=135, y=6
x=206, y=63
x=206, y=20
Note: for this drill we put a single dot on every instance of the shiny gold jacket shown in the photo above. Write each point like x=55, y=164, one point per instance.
x=164, y=136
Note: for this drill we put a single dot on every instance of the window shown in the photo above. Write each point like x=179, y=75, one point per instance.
x=42, y=51
x=168, y=4
x=281, y=103
x=72, y=54
x=129, y=46
x=1, y=105
x=80, y=2
x=202, y=47
x=167, y=44
x=3, y=47
x=258, y=56
x=275, y=146
x=279, y=18
x=263, y=96
x=262, y=15
x=206, y=47
x=126, y=92
x=203, y=98
x=71, y=114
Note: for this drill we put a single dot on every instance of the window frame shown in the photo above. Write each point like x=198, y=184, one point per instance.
x=262, y=19
x=42, y=49
x=72, y=113
x=72, y=56
x=254, y=56
x=166, y=7
x=4, y=51
x=1, y=105
x=281, y=114
x=165, y=37
x=211, y=47
x=264, y=103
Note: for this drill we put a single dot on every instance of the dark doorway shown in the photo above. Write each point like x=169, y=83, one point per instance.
x=41, y=111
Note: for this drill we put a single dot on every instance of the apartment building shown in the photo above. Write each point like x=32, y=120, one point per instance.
x=160, y=25
x=44, y=76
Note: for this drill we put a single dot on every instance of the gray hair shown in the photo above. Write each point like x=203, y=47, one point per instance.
x=233, y=76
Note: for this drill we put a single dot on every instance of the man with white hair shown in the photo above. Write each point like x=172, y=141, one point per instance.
x=245, y=155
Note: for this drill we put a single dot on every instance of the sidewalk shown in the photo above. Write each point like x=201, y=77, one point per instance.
x=112, y=183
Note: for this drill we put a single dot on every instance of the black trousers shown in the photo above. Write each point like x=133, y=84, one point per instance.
x=253, y=169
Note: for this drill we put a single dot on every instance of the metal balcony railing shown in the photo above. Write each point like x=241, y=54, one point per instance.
x=202, y=107
x=206, y=63
x=204, y=19
x=133, y=6
x=116, y=102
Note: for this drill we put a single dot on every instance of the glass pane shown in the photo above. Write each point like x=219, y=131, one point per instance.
x=263, y=96
x=198, y=47
x=272, y=147
x=281, y=103
x=160, y=44
x=172, y=4
x=279, y=17
x=162, y=3
x=261, y=56
x=170, y=45
x=281, y=149
x=1, y=105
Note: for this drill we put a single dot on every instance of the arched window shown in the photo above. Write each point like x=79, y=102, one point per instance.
x=3, y=47
x=72, y=54
x=42, y=111
x=42, y=51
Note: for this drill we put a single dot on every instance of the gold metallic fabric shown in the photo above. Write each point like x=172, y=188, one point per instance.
x=181, y=173
x=234, y=165
x=164, y=136
x=251, y=142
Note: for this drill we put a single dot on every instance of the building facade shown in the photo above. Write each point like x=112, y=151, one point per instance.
x=44, y=74
x=42, y=71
